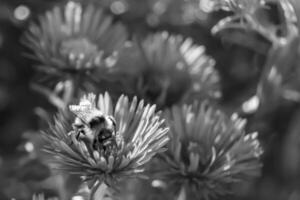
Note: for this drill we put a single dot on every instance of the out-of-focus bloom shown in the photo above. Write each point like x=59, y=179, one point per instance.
x=175, y=12
x=243, y=14
x=237, y=6
x=75, y=39
x=208, y=152
x=166, y=69
x=252, y=15
x=42, y=197
x=106, y=143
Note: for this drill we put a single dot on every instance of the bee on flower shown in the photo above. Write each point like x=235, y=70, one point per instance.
x=93, y=127
x=208, y=152
x=103, y=142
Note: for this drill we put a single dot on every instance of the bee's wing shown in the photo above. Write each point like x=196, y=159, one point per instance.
x=86, y=114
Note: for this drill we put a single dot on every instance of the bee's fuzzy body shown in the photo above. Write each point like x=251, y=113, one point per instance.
x=98, y=131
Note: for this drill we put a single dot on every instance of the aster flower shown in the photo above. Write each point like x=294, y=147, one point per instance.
x=166, y=69
x=75, y=39
x=208, y=152
x=106, y=142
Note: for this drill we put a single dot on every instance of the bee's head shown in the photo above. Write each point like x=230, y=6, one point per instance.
x=96, y=121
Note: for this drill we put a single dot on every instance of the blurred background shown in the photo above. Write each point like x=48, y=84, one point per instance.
x=242, y=58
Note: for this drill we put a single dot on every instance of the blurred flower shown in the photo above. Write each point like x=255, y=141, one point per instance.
x=106, y=143
x=166, y=69
x=255, y=15
x=237, y=6
x=75, y=39
x=243, y=17
x=175, y=12
x=208, y=152
x=42, y=197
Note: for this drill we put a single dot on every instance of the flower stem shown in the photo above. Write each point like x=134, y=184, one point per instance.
x=99, y=191
x=182, y=194
x=72, y=89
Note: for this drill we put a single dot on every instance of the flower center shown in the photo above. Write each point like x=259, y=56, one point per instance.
x=79, y=48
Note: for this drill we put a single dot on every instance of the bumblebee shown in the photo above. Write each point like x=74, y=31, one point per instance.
x=105, y=133
x=98, y=131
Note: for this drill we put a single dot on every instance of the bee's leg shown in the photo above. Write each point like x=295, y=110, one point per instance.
x=80, y=134
x=77, y=135
x=94, y=145
x=72, y=134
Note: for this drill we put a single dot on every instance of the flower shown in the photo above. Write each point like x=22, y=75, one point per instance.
x=244, y=15
x=237, y=6
x=166, y=69
x=75, y=39
x=106, y=143
x=251, y=15
x=42, y=197
x=244, y=12
x=208, y=152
